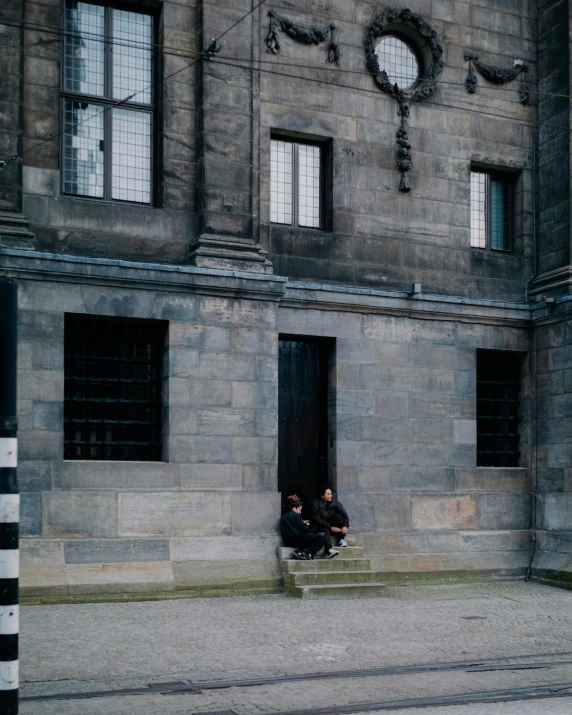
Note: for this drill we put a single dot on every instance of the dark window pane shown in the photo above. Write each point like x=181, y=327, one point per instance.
x=83, y=149
x=84, y=48
x=131, y=156
x=132, y=36
x=500, y=215
x=498, y=395
x=112, y=406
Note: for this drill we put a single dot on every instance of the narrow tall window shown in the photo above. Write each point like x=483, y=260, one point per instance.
x=296, y=184
x=498, y=401
x=108, y=58
x=113, y=385
x=491, y=211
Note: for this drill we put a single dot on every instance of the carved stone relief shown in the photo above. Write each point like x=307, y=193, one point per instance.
x=424, y=40
x=496, y=75
x=305, y=35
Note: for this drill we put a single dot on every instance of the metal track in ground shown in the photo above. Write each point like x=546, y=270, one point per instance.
x=181, y=687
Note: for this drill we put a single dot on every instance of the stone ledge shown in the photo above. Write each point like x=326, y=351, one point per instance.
x=37, y=265
x=249, y=589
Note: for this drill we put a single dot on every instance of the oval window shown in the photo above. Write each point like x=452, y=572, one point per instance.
x=398, y=60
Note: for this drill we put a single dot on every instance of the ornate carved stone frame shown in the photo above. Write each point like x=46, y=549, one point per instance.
x=425, y=42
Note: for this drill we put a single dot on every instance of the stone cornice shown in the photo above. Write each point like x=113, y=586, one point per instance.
x=39, y=266
x=558, y=280
x=427, y=307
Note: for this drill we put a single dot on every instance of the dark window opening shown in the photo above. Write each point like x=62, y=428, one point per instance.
x=498, y=402
x=113, y=385
x=108, y=103
x=492, y=211
x=298, y=183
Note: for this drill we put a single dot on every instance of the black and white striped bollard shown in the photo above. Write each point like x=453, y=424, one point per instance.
x=9, y=503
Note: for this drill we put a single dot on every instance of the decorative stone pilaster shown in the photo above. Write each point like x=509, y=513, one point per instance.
x=14, y=227
x=227, y=166
x=229, y=252
x=15, y=231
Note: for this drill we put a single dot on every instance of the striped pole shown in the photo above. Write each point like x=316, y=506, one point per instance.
x=9, y=503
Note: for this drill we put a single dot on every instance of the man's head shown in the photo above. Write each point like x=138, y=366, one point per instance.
x=326, y=495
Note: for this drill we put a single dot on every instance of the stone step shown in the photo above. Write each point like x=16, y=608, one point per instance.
x=324, y=578
x=337, y=564
x=347, y=590
x=349, y=552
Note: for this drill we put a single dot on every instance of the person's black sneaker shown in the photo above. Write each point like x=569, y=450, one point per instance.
x=309, y=554
x=300, y=555
x=332, y=553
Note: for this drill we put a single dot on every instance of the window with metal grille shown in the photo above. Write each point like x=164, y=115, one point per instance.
x=113, y=385
x=108, y=58
x=297, y=183
x=492, y=209
x=498, y=401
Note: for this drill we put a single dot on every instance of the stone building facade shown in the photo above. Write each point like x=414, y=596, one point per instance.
x=195, y=248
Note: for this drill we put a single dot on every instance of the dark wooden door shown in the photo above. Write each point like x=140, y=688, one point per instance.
x=302, y=417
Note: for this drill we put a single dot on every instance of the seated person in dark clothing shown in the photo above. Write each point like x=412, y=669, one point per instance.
x=327, y=514
x=296, y=533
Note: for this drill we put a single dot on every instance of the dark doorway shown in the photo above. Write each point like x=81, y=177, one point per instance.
x=302, y=417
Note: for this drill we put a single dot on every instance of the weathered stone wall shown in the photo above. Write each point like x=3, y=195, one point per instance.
x=405, y=407
x=554, y=135
x=65, y=224
x=403, y=369
x=206, y=514
x=213, y=153
x=382, y=238
x=553, y=551
x=11, y=58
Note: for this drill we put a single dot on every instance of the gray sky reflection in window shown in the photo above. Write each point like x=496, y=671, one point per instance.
x=90, y=71
x=398, y=60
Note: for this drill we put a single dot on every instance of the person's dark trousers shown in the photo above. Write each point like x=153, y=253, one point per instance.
x=336, y=520
x=312, y=542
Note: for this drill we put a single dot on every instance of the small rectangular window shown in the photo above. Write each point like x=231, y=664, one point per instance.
x=107, y=150
x=498, y=402
x=113, y=384
x=491, y=211
x=297, y=183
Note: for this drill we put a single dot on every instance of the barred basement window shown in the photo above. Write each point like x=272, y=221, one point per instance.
x=492, y=211
x=113, y=385
x=107, y=149
x=297, y=183
x=498, y=400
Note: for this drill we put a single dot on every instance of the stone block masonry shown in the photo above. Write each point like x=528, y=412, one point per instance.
x=402, y=403
x=108, y=527
x=204, y=519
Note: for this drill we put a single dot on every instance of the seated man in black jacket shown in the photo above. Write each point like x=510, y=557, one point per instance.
x=329, y=515
x=296, y=533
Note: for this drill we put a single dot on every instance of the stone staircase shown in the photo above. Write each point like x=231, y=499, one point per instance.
x=348, y=575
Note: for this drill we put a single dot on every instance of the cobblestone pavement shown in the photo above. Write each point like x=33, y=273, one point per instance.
x=108, y=647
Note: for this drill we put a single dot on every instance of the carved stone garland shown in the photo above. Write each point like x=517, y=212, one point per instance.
x=305, y=35
x=496, y=75
x=386, y=23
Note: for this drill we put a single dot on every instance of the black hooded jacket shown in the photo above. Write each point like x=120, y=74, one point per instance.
x=322, y=511
x=292, y=524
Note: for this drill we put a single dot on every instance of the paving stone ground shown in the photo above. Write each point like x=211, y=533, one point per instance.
x=95, y=647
